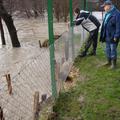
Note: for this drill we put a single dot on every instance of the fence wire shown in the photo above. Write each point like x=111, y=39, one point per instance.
x=67, y=48
x=35, y=76
x=16, y=99
x=26, y=70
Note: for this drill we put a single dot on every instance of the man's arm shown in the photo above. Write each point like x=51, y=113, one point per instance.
x=117, y=33
x=78, y=21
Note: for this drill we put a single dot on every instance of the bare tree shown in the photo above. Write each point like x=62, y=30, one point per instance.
x=65, y=9
x=10, y=25
x=57, y=9
x=2, y=32
x=61, y=9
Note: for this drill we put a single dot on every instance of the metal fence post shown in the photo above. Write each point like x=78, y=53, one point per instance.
x=86, y=5
x=90, y=7
x=51, y=43
x=71, y=24
x=71, y=13
x=81, y=4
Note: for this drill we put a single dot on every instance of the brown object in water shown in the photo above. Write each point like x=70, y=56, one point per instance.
x=46, y=42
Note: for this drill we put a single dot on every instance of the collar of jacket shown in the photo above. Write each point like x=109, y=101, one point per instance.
x=109, y=14
x=111, y=10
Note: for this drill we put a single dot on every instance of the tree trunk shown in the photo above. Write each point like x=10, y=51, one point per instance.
x=2, y=32
x=12, y=30
x=10, y=25
x=28, y=13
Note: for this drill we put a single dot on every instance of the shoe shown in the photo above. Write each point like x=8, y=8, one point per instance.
x=92, y=53
x=108, y=63
x=82, y=55
x=113, y=64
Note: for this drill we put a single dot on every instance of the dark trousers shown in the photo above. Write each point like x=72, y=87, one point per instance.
x=92, y=40
x=111, y=50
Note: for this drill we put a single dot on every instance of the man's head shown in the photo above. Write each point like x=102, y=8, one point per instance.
x=76, y=11
x=107, y=5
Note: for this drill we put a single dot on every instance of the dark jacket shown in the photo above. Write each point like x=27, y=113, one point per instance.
x=111, y=29
x=88, y=21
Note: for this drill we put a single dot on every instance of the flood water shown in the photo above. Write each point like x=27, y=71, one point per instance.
x=29, y=31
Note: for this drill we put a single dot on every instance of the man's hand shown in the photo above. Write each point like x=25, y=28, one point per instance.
x=116, y=39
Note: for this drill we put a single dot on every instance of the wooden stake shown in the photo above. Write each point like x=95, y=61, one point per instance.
x=36, y=106
x=43, y=97
x=8, y=78
x=1, y=114
x=40, y=44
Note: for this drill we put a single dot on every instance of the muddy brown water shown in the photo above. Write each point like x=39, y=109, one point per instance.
x=19, y=106
x=29, y=31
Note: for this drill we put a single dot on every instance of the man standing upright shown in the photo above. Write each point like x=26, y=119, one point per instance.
x=110, y=32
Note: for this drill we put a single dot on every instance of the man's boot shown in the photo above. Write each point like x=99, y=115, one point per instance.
x=83, y=54
x=113, y=64
x=108, y=63
x=92, y=53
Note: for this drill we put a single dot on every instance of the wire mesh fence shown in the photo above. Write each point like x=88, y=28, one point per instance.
x=17, y=96
x=31, y=77
x=17, y=91
x=25, y=87
x=67, y=48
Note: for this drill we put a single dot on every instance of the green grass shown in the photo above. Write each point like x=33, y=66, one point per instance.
x=99, y=89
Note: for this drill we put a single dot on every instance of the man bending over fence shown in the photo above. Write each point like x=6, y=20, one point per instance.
x=91, y=24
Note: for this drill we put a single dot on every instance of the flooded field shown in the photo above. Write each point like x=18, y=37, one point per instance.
x=30, y=31
x=28, y=66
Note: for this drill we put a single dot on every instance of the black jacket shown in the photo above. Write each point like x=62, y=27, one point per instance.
x=88, y=21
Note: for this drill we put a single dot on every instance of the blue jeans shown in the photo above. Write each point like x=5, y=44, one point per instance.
x=111, y=50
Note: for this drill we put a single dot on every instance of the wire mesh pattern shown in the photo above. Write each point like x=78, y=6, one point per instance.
x=67, y=48
x=35, y=76
x=17, y=88
x=17, y=100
